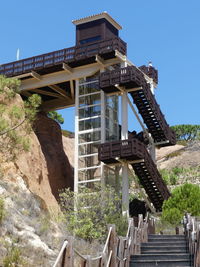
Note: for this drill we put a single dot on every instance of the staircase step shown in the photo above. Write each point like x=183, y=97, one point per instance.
x=163, y=249
x=162, y=243
x=156, y=252
x=165, y=240
x=167, y=236
x=157, y=263
x=172, y=256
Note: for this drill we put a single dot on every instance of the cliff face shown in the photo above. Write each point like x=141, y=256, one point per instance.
x=29, y=184
x=45, y=167
x=49, y=135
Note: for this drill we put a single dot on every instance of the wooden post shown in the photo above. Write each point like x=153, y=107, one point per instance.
x=88, y=261
x=151, y=226
x=68, y=256
x=132, y=237
x=103, y=260
x=82, y=263
x=177, y=230
x=112, y=246
x=121, y=250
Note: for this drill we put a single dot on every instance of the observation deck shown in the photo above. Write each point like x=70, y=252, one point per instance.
x=53, y=75
x=73, y=56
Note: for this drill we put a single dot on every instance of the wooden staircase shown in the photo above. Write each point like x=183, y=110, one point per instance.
x=141, y=247
x=152, y=181
x=133, y=80
x=137, y=82
x=135, y=152
x=163, y=250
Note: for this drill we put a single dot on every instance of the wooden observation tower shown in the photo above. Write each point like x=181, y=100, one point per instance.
x=97, y=78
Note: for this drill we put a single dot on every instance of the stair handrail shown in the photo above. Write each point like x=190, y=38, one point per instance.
x=192, y=233
x=116, y=250
x=61, y=253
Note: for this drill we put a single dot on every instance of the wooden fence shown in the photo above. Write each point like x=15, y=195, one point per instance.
x=117, y=250
x=192, y=232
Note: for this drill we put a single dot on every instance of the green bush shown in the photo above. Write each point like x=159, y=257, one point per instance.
x=88, y=213
x=185, y=198
x=171, y=177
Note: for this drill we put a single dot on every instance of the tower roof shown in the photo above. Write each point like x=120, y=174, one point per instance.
x=103, y=15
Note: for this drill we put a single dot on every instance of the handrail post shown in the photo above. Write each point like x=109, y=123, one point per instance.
x=88, y=261
x=68, y=257
x=132, y=237
x=112, y=246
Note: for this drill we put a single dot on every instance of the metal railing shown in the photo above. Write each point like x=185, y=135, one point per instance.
x=66, y=55
x=117, y=250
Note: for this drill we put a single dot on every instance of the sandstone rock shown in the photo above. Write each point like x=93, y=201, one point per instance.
x=68, y=146
x=50, y=137
x=187, y=157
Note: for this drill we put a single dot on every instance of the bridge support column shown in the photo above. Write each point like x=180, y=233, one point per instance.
x=76, y=137
x=124, y=136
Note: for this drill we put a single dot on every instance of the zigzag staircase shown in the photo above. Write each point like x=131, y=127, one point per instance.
x=136, y=82
x=136, y=153
x=134, y=79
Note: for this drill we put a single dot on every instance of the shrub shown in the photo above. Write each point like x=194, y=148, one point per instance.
x=15, y=120
x=169, y=177
x=185, y=198
x=88, y=213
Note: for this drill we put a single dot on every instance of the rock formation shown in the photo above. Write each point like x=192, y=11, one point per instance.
x=50, y=137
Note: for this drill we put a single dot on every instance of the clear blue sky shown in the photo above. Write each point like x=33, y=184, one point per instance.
x=165, y=32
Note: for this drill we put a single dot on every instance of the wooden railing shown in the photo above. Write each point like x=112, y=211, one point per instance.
x=192, y=232
x=66, y=55
x=130, y=149
x=117, y=250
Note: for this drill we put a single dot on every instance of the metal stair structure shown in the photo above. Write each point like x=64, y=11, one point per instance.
x=163, y=250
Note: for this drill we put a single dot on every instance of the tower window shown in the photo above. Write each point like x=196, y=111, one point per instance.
x=91, y=39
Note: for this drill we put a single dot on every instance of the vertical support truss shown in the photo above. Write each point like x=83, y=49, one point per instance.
x=76, y=137
x=124, y=136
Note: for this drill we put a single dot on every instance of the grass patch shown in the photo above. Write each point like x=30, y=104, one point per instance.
x=2, y=210
x=182, y=142
x=180, y=174
x=68, y=134
x=13, y=257
x=174, y=154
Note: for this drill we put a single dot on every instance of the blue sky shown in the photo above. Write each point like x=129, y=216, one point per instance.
x=165, y=32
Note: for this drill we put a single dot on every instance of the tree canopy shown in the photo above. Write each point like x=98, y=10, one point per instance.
x=187, y=132
x=15, y=118
x=56, y=116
